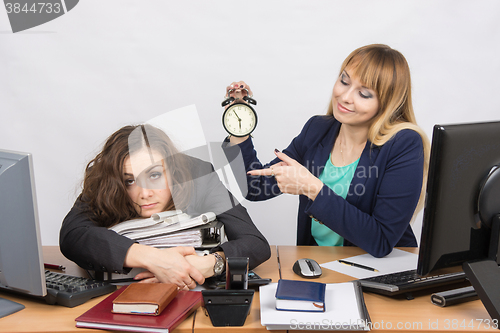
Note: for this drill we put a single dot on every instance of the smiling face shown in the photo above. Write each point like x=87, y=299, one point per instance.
x=146, y=180
x=353, y=104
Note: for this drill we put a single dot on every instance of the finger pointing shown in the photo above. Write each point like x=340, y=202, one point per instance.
x=284, y=157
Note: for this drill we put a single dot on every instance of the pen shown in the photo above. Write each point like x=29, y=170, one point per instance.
x=53, y=266
x=348, y=263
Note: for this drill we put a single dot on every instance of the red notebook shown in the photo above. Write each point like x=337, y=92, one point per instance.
x=101, y=317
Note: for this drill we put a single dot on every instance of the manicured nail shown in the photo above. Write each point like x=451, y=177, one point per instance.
x=276, y=150
x=241, y=86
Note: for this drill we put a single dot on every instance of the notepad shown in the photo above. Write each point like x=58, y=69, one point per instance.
x=145, y=298
x=345, y=310
x=101, y=317
x=292, y=295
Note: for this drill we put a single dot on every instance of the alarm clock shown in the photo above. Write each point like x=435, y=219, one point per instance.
x=239, y=119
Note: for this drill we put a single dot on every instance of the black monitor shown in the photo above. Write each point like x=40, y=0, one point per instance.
x=462, y=210
x=21, y=261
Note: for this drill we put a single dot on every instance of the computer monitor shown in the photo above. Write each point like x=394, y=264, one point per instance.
x=21, y=261
x=462, y=211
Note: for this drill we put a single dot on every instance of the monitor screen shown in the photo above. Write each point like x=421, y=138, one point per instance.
x=462, y=155
x=21, y=261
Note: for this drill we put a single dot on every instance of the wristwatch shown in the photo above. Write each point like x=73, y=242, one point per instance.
x=219, y=264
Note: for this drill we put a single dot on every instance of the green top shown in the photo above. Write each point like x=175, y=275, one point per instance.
x=338, y=179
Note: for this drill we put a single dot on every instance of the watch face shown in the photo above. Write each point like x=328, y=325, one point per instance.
x=219, y=268
x=239, y=119
x=219, y=264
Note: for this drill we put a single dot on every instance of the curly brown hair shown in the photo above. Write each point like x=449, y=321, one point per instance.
x=104, y=188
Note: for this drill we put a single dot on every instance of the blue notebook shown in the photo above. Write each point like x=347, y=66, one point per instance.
x=294, y=295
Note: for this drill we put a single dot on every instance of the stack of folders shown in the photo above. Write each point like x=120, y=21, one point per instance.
x=174, y=228
x=153, y=310
x=307, y=305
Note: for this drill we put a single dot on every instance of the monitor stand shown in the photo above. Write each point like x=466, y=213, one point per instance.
x=8, y=307
x=484, y=275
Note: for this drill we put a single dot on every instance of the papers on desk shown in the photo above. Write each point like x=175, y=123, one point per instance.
x=174, y=228
x=183, y=238
x=345, y=310
x=161, y=224
x=396, y=261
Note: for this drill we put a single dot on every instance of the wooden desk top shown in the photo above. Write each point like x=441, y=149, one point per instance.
x=387, y=313
x=390, y=313
x=41, y=317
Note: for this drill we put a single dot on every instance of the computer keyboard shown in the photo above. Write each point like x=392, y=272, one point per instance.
x=71, y=291
x=408, y=281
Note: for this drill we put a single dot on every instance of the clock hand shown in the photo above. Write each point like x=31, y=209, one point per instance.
x=239, y=119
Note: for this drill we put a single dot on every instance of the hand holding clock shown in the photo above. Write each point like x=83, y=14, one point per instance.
x=239, y=118
x=238, y=90
x=291, y=176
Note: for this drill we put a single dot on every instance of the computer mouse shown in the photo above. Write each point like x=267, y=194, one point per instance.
x=307, y=268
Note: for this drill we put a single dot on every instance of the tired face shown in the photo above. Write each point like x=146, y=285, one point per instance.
x=146, y=180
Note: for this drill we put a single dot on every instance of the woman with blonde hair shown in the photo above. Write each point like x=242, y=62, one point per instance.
x=360, y=169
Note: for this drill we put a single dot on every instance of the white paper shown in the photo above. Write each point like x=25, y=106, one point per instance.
x=342, y=310
x=396, y=261
x=182, y=238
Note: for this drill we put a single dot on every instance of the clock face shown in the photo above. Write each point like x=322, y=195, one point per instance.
x=239, y=119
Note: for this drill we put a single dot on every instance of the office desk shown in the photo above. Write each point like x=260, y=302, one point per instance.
x=388, y=313
x=41, y=317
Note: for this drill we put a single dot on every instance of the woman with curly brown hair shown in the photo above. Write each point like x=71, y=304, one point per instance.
x=138, y=173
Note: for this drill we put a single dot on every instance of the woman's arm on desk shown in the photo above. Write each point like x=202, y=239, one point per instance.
x=97, y=248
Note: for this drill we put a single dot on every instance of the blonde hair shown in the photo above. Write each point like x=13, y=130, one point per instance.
x=386, y=71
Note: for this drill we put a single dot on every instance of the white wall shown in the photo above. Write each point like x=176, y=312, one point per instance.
x=66, y=85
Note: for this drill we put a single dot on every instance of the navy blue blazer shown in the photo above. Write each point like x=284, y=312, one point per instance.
x=383, y=194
